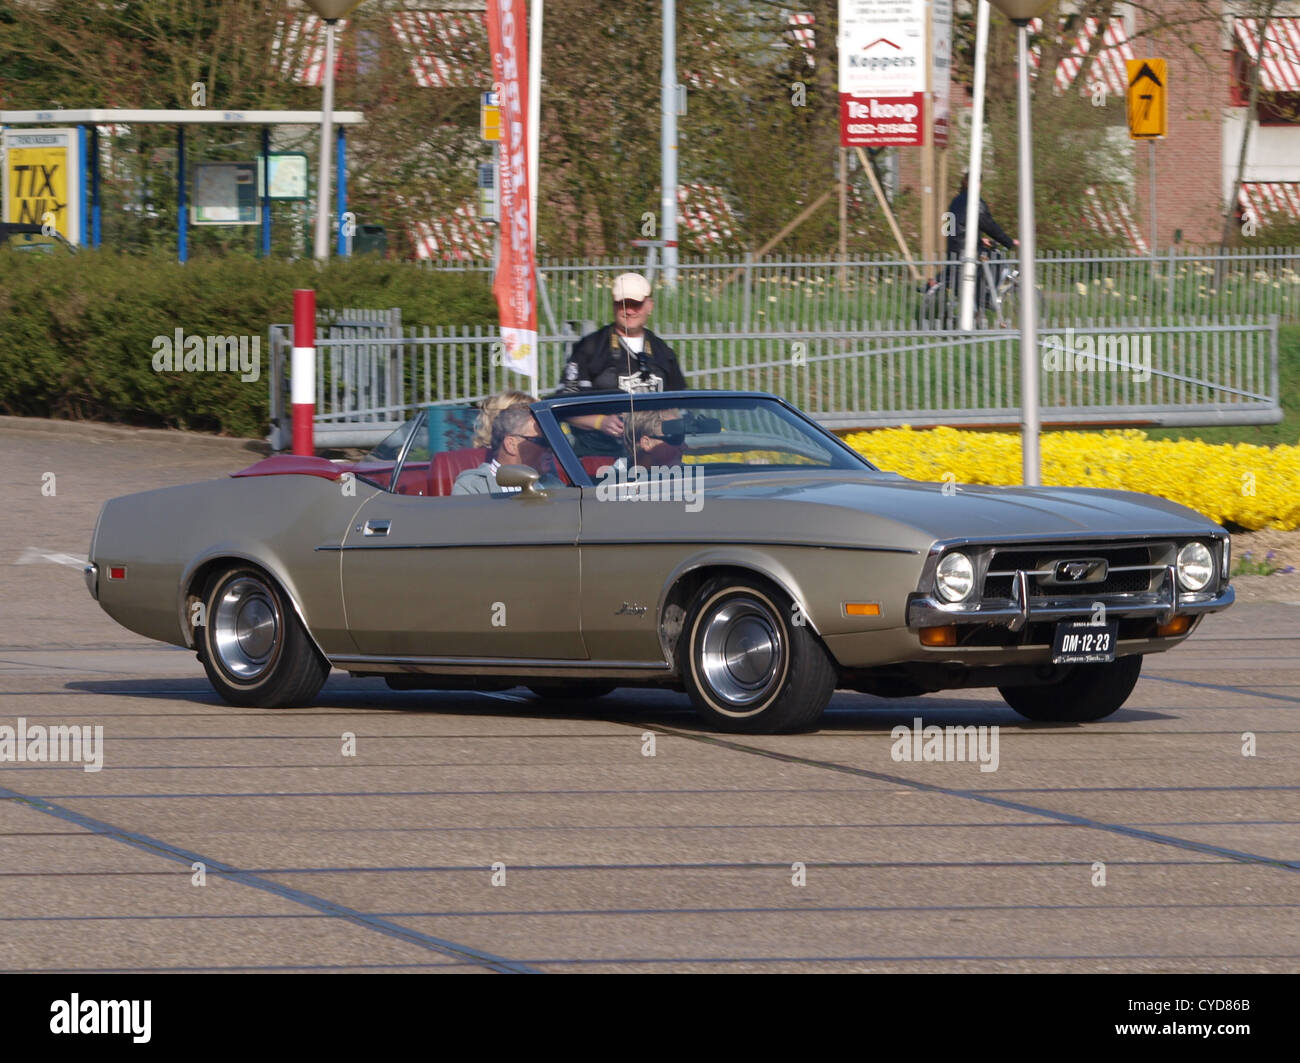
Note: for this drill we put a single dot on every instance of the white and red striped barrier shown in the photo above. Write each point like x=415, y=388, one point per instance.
x=302, y=370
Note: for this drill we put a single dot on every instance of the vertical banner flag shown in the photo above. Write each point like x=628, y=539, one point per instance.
x=515, y=281
x=882, y=72
x=941, y=68
x=42, y=180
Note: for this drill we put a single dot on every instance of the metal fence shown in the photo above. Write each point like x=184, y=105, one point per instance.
x=1128, y=371
x=353, y=373
x=879, y=291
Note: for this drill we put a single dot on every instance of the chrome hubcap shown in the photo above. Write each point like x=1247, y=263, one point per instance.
x=246, y=628
x=742, y=653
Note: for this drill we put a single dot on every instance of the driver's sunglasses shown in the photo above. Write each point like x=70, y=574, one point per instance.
x=630, y=305
x=537, y=441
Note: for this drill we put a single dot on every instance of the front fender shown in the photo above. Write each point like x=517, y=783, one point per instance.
x=821, y=580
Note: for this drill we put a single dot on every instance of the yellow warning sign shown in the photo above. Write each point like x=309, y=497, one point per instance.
x=1148, y=98
x=490, y=117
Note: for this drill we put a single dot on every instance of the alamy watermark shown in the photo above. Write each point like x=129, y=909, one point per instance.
x=1107, y=353
x=947, y=744
x=208, y=354
x=658, y=483
x=77, y=1016
x=69, y=744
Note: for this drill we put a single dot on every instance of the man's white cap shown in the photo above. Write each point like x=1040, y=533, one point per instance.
x=631, y=286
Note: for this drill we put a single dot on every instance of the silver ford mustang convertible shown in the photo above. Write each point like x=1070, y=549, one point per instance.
x=714, y=542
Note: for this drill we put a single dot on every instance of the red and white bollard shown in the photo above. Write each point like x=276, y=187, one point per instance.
x=302, y=370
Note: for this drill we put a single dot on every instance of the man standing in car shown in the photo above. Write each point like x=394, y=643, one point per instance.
x=623, y=356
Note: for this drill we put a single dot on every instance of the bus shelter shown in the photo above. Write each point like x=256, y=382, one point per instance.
x=79, y=151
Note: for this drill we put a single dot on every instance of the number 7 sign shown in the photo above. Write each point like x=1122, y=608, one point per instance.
x=1148, y=98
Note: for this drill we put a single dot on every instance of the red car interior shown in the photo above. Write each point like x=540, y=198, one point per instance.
x=434, y=478
x=449, y=464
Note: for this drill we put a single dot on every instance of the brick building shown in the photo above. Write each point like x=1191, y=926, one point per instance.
x=1211, y=65
x=1212, y=56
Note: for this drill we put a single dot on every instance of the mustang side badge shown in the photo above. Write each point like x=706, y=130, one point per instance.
x=631, y=609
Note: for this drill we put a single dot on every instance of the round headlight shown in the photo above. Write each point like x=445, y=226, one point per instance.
x=955, y=578
x=1195, y=566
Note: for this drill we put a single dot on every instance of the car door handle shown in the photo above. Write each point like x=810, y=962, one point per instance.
x=377, y=527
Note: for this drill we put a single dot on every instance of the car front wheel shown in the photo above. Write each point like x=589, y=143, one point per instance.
x=1088, y=692
x=747, y=665
x=253, y=646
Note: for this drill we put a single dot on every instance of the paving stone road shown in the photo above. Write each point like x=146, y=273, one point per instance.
x=607, y=859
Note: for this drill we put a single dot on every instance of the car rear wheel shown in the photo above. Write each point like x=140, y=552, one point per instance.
x=747, y=667
x=253, y=646
x=1088, y=692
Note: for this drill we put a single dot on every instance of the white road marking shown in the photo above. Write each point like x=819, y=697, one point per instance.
x=32, y=554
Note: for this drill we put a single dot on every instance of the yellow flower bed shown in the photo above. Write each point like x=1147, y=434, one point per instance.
x=1257, y=487
x=749, y=457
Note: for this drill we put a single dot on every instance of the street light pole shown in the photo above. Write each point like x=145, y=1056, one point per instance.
x=322, y=248
x=534, y=112
x=1021, y=12
x=668, y=144
x=331, y=11
x=1029, y=427
x=975, y=171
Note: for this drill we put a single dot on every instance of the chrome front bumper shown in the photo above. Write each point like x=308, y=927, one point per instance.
x=924, y=610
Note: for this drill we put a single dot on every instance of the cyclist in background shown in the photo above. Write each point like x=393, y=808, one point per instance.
x=990, y=231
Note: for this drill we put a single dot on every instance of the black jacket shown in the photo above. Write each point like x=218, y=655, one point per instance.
x=957, y=238
x=599, y=362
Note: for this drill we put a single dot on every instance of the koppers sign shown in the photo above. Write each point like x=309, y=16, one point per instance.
x=882, y=72
x=941, y=68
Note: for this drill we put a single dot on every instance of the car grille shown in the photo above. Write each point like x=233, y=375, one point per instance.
x=1004, y=563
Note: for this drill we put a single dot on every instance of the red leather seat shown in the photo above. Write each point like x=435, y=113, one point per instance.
x=414, y=479
x=593, y=463
x=449, y=464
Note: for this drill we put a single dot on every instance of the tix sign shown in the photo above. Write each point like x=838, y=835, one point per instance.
x=40, y=177
x=1148, y=98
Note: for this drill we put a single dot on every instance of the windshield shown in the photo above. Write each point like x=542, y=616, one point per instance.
x=377, y=466
x=438, y=444
x=717, y=434
x=722, y=435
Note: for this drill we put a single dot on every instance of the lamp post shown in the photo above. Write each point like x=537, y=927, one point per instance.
x=975, y=171
x=331, y=11
x=669, y=105
x=1021, y=12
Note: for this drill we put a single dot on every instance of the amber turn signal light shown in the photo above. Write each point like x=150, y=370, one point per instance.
x=1177, y=626
x=939, y=636
x=861, y=608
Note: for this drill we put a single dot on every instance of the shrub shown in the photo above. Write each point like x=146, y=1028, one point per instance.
x=77, y=331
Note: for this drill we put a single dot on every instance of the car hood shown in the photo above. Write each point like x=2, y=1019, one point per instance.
x=940, y=511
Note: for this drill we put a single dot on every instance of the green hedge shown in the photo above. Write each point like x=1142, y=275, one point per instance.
x=77, y=331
